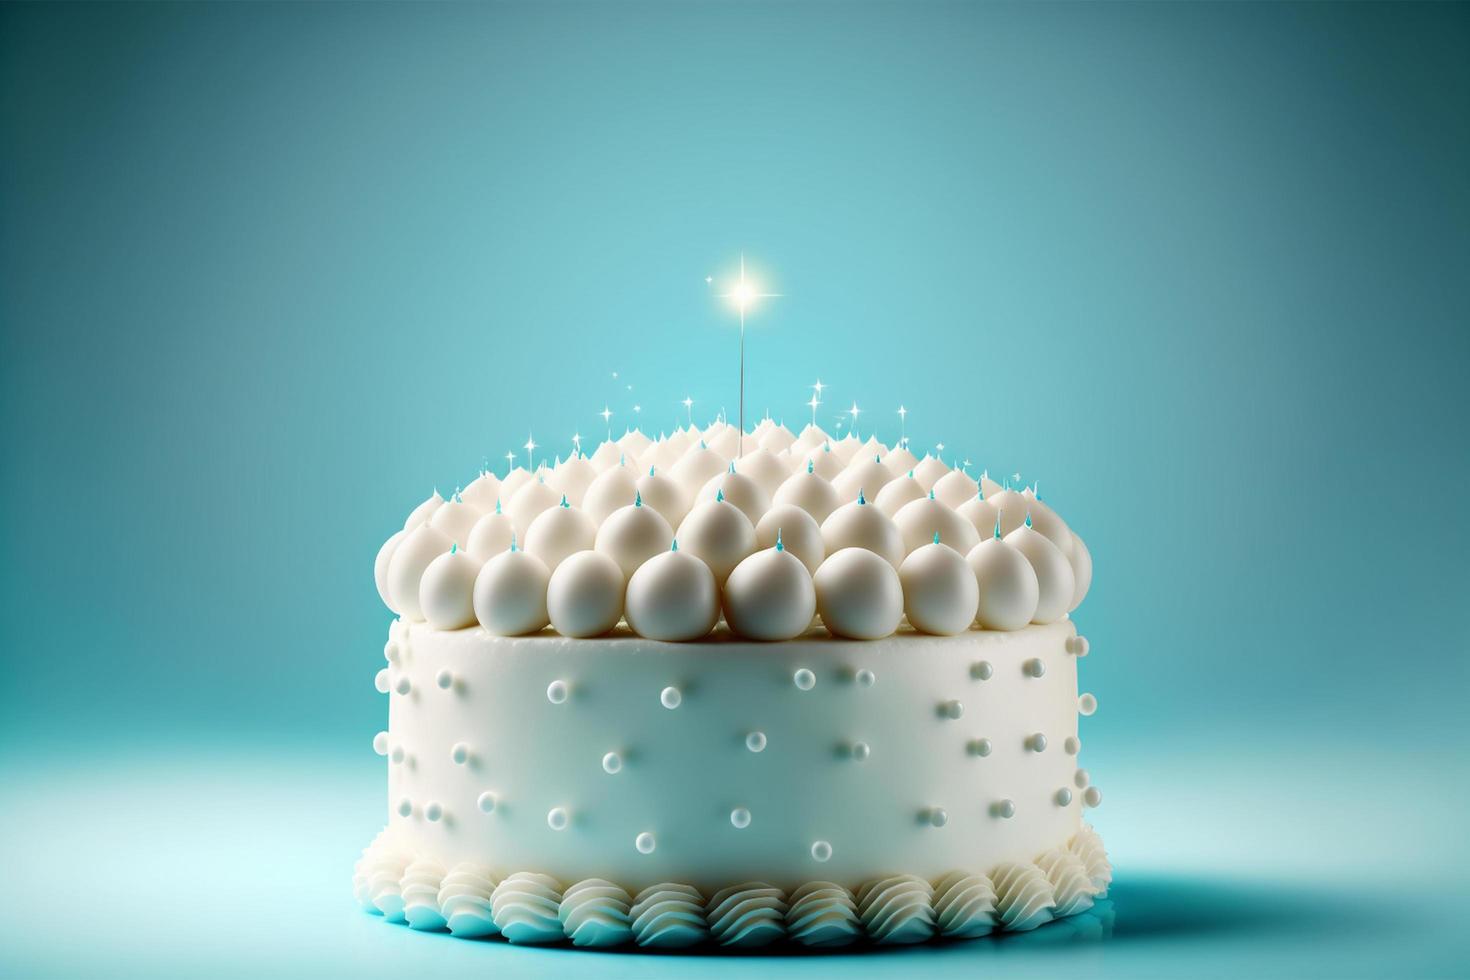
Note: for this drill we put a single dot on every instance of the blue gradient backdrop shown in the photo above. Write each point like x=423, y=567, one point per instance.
x=268, y=274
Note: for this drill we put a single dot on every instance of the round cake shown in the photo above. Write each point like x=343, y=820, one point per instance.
x=714, y=689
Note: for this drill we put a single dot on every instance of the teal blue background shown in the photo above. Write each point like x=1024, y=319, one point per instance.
x=269, y=274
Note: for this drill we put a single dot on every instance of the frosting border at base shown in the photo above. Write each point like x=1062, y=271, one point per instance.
x=469, y=901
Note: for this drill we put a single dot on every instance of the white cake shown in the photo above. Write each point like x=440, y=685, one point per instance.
x=770, y=778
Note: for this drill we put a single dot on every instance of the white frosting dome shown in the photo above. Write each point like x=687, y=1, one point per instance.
x=928, y=471
x=769, y=596
x=572, y=477
x=422, y=513
x=632, y=535
x=940, y=592
x=899, y=461
x=864, y=474
x=510, y=594
x=406, y=567
x=672, y=596
x=764, y=468
x=719, y=534
x=612, y=489
x=1008, y=587
x=980, y=513
x=1011, y=507
x=825, y=462
x=740, y=490
x=1054, y=578
x=954, y=488
x=559, y=532
x=455, y=519
x=663, y=495
x=528, y=503
x=799, y=531
x=492, y=534
x=585, y=594
x=919, y=520
x=446, y=591
x=897, y=492
x=1081, y=560
x=380, y=567
x=697, y=467
x=482, y=492
x=1046, y=523
x=859, y=524
x=858, y=595
x=809, y=491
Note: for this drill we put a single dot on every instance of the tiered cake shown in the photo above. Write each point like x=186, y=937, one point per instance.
x=818, y=691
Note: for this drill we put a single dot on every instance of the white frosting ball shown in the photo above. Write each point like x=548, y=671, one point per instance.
x=422, y=513
x=919, y=520
x=726, y=442
x=482, y=492
x=1012, y=509
x=858, y=595
x=811, y=435
x=446, y=591
x=980, y=513
x=697, y=467
x=672, y=596
x=940, y=593
x=661, y=455
x=846, y=449
x=769, y=596
x=513, y=481
x=765, y=468
x=634, y=442
x=510, y=594
x=1008, y=587
x=380, y=566
x=897, y=492
x=571, y=478
x=1081, y=560
x=606, y=456
x=632, y=535
x=740, y=490
x=900, y=461
x=928, y=471
x=559, y=532
x=863, y=474
x=585, y=595
x=491, y=535
x=718, y=533
x=989, y=486
x=406, y=567
x=777, y=440
x=1053, y=573
x=528, y=503
x=1046, y=523
x=612, y=489
x=860, y=524
x=799, y=532
x=456, y=520
x=810, y=492
x=663, y=495
x=954, y=488
x=824, y=462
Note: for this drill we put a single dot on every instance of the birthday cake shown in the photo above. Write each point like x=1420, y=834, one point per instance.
x=706, y=689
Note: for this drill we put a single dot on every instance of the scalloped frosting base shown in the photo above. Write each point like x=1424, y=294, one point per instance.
x=469, y=901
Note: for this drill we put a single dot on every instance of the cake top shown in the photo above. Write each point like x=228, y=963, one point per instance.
x=666, y=534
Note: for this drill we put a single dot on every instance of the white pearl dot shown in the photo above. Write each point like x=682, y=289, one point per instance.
x=865, y=678
x=1087, y=704
x=951, y=710
x=1036, y=743
x=860, y=751
x=821, y=851
x=556, y=818
x=804, y=679
x=756, y=741
x=1092, y=796
x=445, y=678
x=390, y=651
x=1081, y=779
x=670, y=698
x=1004, y=808
x=1071, y=746
x=938, y=817
x=740, y=818
x=981, y=670
x=645, y=843
x=1077, y=645
x=556, y=692
x=404, y=685
x=433, y=811
x=397, y=754
x=980, y=747
x=460, y=754
x=486, y=802
x=1034, y=667
x=380, y=743
x=611, y=763
x=380, y=681
x=405, y=807
x=1064, y=796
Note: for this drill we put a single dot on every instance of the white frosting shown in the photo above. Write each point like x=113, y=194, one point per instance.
x=527, y=503
x=928, y=471
x=738, y=489
x=612, y=490
x=455, y=519
x=419, y=887
x=919, y=520
x=809, y=491
x=981, y=514
x=510, y=594
x=1011, y=507
x=747, y=915
x=696, y=467
x=764, y=468
x=798, y=530
x=776, y=440
x=859, y=524
x=769, y=596
x=858, y=595
x=513, y=481
x=718, y=533
x=940, y=592
x=897, y=910
x=669, y=916
x=421, y=514
x=446, y=591
x=406, y=567
x=1048, y=524
x=525, y=907
x=595, y=913
x=1054, y=578
x=492, y=534
x=672, y=596
x=572, y=477
x=585, y=595
x=1008, y=588
x=899, y=461
x=1081, y=560
x=380, y=567
x=954, y=488
x=964, y=905
x=559, y=532
x=1023, y=896
x=663, y=495
x=898, y=492
x=864, y=474
x=823, y=915
x=632, y=535
x=465, y=901
x=482, y=492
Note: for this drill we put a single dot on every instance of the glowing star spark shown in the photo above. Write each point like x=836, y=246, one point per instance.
x=607, y=414
x=854, y=412
x=813, y=405
x=744, y=293
x=510, y=460
x=576, y=443
x=903, y=417
x=530, y=448
x=688, y=404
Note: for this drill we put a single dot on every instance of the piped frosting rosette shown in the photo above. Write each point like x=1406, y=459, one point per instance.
x=667, y=536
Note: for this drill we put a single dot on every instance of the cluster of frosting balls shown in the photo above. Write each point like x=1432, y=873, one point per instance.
x=767, y=541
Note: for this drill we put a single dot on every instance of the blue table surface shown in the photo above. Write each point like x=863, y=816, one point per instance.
x=234, y=862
